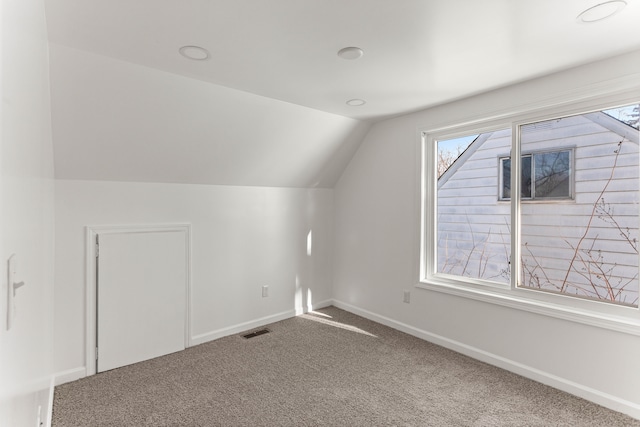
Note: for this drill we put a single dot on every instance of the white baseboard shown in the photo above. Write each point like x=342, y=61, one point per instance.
x=240, y=327
x=316, y=306
x=256, y=323
x=69, y=375
x=607, y=400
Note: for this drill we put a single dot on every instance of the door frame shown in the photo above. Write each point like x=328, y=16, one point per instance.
x=91, y=323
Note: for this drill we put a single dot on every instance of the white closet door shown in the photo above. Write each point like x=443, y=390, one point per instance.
x=142, y=288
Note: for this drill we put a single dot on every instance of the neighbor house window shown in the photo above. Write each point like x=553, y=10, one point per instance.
x=544, y=176
x=586, y=249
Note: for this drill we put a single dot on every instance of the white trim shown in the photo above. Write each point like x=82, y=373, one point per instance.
x=514, y=299
x=50, y=402
x=313, y=307
x=241, y=327
x=69, y=375
x=619, y=91
x=256, y=323
x=607, y=400
x=90, y=279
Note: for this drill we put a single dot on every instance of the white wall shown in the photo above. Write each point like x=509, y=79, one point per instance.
x=26, y=224
x=376, y=241
x=242, y=238
x=178, y=129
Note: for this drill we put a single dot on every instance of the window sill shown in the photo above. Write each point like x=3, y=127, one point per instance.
x=616, y=318
x=528, y=201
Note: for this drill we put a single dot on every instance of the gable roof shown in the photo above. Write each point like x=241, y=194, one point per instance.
x=599, y=117
x=466, y=154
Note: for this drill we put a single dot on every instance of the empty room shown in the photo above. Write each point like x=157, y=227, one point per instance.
x=320, y=212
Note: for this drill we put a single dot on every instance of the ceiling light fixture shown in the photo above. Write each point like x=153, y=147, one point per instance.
x=195, y=53
x=356, y=102
x=601, y=11
x=350, y=53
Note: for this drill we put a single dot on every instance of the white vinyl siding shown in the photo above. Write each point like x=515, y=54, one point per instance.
x=473, y=232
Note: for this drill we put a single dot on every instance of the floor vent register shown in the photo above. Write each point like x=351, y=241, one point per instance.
x=256, y=333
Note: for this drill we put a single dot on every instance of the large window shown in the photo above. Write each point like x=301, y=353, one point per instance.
x=579, y=238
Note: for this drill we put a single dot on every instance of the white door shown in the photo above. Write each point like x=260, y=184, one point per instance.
x=141, y=296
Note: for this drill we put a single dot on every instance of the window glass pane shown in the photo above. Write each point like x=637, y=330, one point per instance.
x=553, y=174
x=506, y=178
x=585, y=246
x=472, y=227
x=526, y=178
x=525, y=192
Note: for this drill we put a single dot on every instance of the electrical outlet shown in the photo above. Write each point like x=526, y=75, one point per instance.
x=265, y=291
x=407, y=297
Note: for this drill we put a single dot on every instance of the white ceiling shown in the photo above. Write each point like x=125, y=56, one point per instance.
x=268, y=108
x=418, y=53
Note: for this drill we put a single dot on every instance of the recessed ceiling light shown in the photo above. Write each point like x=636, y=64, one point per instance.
x=350, y=53
x=196, y=53
x=356, y=102
x=601, y=11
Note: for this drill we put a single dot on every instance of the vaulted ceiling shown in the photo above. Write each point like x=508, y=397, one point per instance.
x=268, y=107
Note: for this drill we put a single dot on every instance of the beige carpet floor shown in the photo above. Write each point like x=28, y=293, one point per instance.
x=327, y=368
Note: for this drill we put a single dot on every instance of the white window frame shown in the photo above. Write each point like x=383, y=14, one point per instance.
x=625, y=319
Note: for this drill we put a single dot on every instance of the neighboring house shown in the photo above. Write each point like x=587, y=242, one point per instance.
x=579, y=210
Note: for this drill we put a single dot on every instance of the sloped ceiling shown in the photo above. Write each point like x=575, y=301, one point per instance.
x=269, y=105
x=117, y=121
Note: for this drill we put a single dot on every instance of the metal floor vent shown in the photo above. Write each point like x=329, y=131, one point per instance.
x=256, y=333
